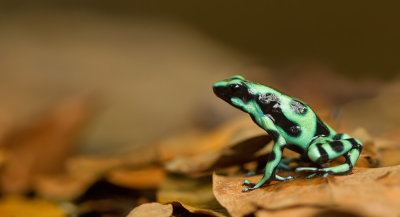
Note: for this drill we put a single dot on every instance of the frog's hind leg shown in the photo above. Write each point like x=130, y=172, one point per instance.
x=320, y=153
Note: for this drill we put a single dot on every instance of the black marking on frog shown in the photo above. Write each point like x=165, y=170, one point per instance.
x=337, y=146
x=295, y=148
x=270, y=104
x=355, y=144
x=273, y=134
x=338, y=136
x=323, y=154
x=322, y=129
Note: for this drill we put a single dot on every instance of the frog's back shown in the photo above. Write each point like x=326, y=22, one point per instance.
x=295, y=120
x=305, y=121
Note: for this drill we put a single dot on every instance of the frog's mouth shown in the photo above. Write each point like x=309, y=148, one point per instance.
x=222, y=92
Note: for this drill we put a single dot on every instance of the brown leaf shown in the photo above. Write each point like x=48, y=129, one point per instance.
x=144, y=178
x=239, y=153
x=12, y=206
x=196, y=192
x=181, y=209
x=314, y=211
x=170, y=210
x=132, y=171
x=245, y=140
x=195, y=142
x=390, y=157
x=62, y=186
x=43, y=145
x=368, y=192
x=152, y=209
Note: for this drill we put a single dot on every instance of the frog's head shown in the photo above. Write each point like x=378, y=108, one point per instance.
x=235, y=88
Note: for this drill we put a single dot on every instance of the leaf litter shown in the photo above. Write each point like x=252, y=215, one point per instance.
x=196, y=172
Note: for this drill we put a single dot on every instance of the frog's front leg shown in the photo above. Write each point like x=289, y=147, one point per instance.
x=270, y=167
x=273, y=159
x=320, y=153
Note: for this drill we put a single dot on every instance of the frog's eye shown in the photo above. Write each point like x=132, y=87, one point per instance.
x=234, y=87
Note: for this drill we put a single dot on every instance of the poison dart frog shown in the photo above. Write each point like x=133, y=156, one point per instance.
x=292, y=124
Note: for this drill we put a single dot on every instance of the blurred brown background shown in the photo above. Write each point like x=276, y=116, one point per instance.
x=152, y=63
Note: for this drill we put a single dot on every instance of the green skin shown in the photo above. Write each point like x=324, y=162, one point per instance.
x=292, y=124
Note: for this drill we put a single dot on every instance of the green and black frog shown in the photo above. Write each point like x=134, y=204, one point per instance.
x=292, y=124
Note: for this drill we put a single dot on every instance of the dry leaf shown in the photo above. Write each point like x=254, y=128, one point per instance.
x=194, y=142
x=313, y=211
x=62, y=186
x=152, y=209
x=196, y=192
x=42, y=146
x=390, y=157
x=98, y=166
x=367, y=192
x=170, y=210
x=237, y=154
x=149, y=177
x=81, y=172
x=181, y=209
x=20, y=207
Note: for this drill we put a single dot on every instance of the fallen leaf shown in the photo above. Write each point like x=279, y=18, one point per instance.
x=61, y=186
x=390, y=157
x=196, y=192
x=194, y=142
x=152, y=209
x=106, y=199
x=170, y=210
x=43, y=145
x=240, y=153
x=367, y=192
x=13, y=206
x=149, y=177
x=181, y=209
x=305, y=211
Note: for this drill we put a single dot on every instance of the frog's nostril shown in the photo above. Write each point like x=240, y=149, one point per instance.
x=215, y=89
x=218, y=90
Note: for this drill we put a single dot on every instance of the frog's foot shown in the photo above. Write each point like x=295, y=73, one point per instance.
x=324, y=172
x=279, y=178
x=253, y=186
x=247, y=183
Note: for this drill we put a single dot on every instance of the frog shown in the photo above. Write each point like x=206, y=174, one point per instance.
x=293, y=125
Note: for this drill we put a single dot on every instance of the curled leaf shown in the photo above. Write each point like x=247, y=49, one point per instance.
x=152, y=209
x=368, y=192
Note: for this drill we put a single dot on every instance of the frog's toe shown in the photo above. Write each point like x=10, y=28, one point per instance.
x=306, y=169
x=315, y=171
x=247, y=183
x=279, y=178
x=247, y=189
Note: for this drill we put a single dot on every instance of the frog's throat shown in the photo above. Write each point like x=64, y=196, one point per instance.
x=250, y=107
